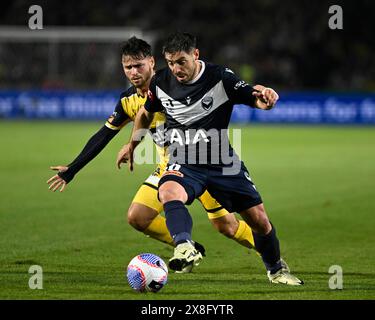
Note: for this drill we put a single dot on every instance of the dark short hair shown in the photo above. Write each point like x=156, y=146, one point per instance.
x=136, y=48
x=180, y=41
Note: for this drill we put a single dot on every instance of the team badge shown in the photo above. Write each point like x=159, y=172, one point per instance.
x=207, y=103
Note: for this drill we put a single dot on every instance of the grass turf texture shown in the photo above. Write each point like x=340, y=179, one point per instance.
x=317, y=184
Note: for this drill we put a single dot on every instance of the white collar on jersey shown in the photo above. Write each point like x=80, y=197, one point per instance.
x=203, y=66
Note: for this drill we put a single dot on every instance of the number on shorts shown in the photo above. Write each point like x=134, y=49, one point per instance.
x=174, y=167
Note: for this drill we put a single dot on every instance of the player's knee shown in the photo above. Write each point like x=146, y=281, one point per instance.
x=263, y=225
x=135, y=219
x=227, y=229
x=257, y=219
x=170, y=191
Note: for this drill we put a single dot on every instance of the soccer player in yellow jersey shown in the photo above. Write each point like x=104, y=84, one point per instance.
x=144, y=211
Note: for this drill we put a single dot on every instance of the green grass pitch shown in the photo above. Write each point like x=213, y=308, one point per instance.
x=317, y=184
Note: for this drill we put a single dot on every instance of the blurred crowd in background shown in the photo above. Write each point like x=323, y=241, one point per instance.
x=285, y=44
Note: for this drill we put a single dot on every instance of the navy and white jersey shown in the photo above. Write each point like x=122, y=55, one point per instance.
x=198, y=113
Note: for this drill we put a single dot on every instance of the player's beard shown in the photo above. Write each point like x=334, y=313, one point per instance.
x=186, y=77
x=143, y=80
x=191, y=75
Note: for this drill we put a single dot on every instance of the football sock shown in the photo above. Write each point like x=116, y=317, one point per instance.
x=179, y=221
x=158, y=230
x=269, y=248
x=244, y=236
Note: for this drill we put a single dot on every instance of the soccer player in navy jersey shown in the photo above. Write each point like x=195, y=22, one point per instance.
x=198, y=98
x=144, y=213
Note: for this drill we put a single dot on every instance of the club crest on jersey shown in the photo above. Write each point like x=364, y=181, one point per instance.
x=207, y=103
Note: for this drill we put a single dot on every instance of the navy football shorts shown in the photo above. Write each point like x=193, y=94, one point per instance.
x=234, y=192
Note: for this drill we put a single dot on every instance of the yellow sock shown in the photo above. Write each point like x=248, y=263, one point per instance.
x=244, y=236
x=158, y=230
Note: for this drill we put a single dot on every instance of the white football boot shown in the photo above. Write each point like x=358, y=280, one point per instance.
x=284, y=265
x=284, y=276
x=185, y=257
x=200, y=248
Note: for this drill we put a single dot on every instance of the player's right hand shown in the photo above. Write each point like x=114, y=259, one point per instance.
x=56, y=181
x=267, y=96
x=126, y=155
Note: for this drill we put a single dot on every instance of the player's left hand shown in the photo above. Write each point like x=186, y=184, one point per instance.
x=266, y=95
x=56, y=181
x=126, y=155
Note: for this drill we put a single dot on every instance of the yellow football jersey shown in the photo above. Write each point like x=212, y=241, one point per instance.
x=126, y=110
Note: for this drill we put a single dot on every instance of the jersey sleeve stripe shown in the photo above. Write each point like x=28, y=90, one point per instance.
x=110, y=126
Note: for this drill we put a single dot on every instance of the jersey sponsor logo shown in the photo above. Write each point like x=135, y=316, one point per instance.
x=240, y=84
x=188, y=137
x=188, y=100
x=168, y=104
x=207, y=102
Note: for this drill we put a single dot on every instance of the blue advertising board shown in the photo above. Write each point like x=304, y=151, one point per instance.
x=75, y=105
x=313, y=108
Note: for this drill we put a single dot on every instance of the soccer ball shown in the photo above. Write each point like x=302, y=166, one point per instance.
x=147, y=272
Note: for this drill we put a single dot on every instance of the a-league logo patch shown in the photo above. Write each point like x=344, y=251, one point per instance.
x=207, y=103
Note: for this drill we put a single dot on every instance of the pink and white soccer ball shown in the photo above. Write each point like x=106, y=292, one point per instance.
x=147, y=272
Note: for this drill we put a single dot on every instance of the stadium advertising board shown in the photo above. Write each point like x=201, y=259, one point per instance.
x=313, y=108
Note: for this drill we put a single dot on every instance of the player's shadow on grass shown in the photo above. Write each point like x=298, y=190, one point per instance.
x=26, y=262
x=272, y=289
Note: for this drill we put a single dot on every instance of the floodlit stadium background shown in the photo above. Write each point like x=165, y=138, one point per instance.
x=289, y=47
x=312, y=156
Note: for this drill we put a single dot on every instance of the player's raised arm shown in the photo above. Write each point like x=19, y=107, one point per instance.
x=241, y=92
